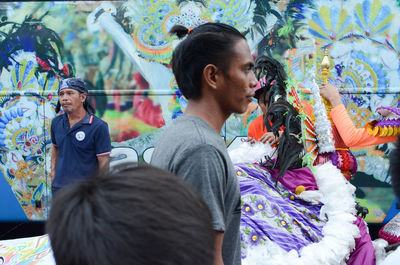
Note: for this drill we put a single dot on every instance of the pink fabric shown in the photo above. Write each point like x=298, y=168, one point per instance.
x=390, y=231
x=364, y=252
x=295, y=177
x=260, y=84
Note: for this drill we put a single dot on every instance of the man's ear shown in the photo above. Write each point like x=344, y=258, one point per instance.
x=83, y=97
x=211, y=74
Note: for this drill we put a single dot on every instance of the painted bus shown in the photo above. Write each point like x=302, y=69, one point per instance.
x=122, y=50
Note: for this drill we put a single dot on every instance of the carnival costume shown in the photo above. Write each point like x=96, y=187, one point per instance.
x=278, y=226
x=295, y=214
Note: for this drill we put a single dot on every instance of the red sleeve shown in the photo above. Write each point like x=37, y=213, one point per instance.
x=251, y=130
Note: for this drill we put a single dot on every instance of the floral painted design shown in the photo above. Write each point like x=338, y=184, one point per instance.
x=275, y=210
x=270, y=212
x=283, y=223
x=254, y=238
x=361, y=116
x=260, y=205
x=247, y=209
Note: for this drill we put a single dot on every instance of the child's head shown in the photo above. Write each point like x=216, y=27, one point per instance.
x=271, y=86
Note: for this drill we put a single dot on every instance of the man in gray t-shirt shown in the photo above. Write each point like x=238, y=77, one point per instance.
x=198, y=155
x=213, y=67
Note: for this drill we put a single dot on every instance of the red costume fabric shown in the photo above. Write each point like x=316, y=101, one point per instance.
x=256, y=128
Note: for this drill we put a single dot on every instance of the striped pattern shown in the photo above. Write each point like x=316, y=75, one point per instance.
x=103, y=154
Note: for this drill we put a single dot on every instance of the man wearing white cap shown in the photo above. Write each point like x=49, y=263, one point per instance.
x=81, y=141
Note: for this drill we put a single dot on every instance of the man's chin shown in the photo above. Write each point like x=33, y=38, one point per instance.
x=243, y=109
x=67, y=111
x=239, y=112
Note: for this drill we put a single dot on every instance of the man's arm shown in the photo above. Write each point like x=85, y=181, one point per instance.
x=102, y=142
x=351, y=136
x=104, y=163
x=219, y=238
x=54, y=155
x=202, y=166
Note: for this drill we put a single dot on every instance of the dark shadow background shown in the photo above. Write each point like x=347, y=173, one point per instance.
x=12, y=230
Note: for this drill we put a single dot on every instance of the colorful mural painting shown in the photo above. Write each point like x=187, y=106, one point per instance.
x=122, y=49
x=24, y=251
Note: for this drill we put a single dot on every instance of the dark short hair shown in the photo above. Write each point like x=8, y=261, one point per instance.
x=209, y=43
x=141, y=215
x=394, y=168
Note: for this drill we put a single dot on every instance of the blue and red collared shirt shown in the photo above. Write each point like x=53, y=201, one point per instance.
x=78, y=147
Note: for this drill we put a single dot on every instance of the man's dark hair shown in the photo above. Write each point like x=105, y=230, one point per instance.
x=395, y=168
x=210, y=43
x=140, y=215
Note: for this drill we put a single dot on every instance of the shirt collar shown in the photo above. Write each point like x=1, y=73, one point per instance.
x=88, y=119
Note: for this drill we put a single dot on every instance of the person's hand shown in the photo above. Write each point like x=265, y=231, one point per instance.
x=251, y=140
x=331, y=93
x=270, y=138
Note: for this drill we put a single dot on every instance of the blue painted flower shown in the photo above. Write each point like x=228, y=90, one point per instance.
x=247, y=209
x=283, y=223
x=260, y=205
x=254, y=238
x=330, y=24
x=305, y=233
x=275, y=210
x=370, y=22
x=312, y=216
x=239, y=172
x=23, y=76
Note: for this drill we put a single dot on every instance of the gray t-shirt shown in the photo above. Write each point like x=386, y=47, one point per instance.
x=194, y=151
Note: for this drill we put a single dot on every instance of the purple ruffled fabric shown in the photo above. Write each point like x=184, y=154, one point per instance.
x=391, y=109
x=270, y=211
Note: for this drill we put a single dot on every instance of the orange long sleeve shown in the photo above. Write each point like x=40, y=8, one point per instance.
x=352, y=136
x=256, y=128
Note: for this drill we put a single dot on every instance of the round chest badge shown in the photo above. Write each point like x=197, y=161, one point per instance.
x=80, y=136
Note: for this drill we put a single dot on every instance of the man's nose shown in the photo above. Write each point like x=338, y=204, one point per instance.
x=253, y=80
